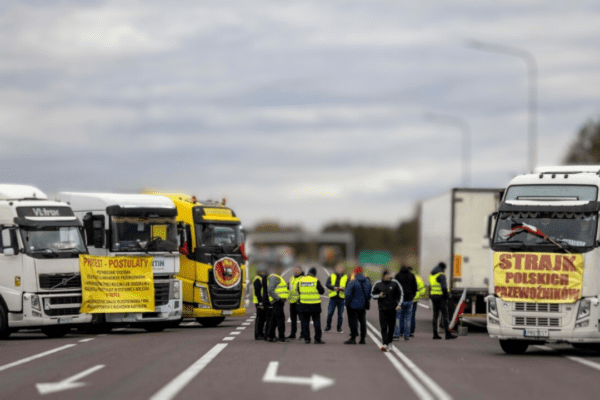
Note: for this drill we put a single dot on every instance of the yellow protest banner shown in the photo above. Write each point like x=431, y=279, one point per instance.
x=116, y=284
x=538, y=277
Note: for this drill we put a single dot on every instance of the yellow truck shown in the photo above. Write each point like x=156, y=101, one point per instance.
x=212, y=260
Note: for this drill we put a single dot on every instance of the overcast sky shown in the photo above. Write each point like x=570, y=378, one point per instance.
x=299, y=112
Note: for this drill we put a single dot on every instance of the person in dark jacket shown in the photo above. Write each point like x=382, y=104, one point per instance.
x=257, y=297
x=388, y=293
x=404, y=316
x=298, y=273
x=358, y=295
x=438, y=293
x=308, y=291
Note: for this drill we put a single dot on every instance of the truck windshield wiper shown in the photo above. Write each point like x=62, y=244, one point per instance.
x=46, y=250
x=73, y=250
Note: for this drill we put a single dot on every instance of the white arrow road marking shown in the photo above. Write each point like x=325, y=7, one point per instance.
x=176, y=385
x=66, y=384
x=23, y=361
x=316, y=382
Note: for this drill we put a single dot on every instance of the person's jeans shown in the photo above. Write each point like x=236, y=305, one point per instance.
x=412, y=320
x=403, y=319
x=387, y=321
x=335, y=302
x=305, y=318
x=356, y=316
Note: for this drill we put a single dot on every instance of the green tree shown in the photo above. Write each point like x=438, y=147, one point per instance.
x=586, y=147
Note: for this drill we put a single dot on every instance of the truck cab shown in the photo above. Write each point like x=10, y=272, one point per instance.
x=213, y=269
x=40, y=243
x=135, y=225
x=546, y=286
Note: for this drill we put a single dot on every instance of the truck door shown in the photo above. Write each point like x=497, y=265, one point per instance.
x=11, y=269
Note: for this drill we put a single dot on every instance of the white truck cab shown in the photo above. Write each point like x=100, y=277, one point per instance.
x=40, y=243
x=135, y=225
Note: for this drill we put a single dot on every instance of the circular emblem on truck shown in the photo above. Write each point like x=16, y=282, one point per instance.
x=227, y=272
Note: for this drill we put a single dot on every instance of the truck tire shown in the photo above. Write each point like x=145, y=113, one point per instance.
x=97, y=325
x=514, y=346
x=56, y=331
x=210, y=322
x=4, y=329
x=176, y=323
x=156, y=327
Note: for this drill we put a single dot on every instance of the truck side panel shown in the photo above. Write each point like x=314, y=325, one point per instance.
x=434, y=233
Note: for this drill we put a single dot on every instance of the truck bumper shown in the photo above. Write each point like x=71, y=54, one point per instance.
x=52, y=309
x=207, y=312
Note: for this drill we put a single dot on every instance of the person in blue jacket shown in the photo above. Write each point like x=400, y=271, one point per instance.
x=358, y=296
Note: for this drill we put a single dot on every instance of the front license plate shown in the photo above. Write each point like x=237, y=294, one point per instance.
x=535, y=333
x=65, y=320
x=227, y=312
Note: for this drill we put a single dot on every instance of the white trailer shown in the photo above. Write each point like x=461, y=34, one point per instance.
x=123, y=225
x=40, y=242
x=453, y=230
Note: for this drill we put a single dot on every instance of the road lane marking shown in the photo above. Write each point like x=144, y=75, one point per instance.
x=423, y=305
x=86, y=340
x=228, y=338
x=316, y=382
x=240, y=328
x=415, y=385
x=246, y=323
x=433, y=387
x=27, y=359
x=235, y=333
x=189, y=324
x=66, y=384
x=119, y=329
x=579, y=360
x=182, y=380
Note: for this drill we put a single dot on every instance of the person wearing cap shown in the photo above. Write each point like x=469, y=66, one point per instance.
x=257, y=299
x=278, y=293
x=409, y=288
x=388, y=293
x=309, y=291
x=336, y=283
x=298, y=273
x=438, y=293
x=357, y=297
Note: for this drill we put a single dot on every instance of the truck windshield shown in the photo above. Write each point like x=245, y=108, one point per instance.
x=224, y=236
x=143, y=234
x=544, y=228
x=53, y=241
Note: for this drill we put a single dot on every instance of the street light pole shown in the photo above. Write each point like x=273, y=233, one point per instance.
x=462, y=124
x=532, y=84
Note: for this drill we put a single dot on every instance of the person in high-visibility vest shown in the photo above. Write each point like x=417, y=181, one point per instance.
x=298, y=273
x=418, y=296
x=257, y=299
x=309, y=291
x=336, y=283
x=278, y=293
x=438, y=293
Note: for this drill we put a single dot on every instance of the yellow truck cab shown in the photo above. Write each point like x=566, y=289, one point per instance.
x=212, y=263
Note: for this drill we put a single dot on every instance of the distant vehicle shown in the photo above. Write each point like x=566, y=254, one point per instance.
x=40, y=242
x=546, y=275
x=453, y=230
x=135, y=225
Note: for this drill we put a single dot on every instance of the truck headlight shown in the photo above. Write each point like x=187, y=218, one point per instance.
x=35, y=302
x=492, y=306
x=203, y=294
x=176, y=289
x=584, y=309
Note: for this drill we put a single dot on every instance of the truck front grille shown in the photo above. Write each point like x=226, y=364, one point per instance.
x=62, y=305
x=225, y=299
x=537, y=321
x=161, y=293
x=537, y=307
x=60, y=281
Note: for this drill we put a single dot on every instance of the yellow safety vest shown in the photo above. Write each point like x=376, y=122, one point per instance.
x=307, y=286
x=420, y=288
x=293, y=297
x=281, y=290
x=255, y=299
x=435, y=288
x=343, y=282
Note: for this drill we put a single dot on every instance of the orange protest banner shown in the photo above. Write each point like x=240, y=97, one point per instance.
x=538, y=277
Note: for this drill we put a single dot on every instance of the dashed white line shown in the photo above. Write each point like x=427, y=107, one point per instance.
x=246, y=323
x=27, y=359
x=228, y=338
x=119, y=329
x=86, y=340
x=176, y=385
x=235, y=333
x=240, y=328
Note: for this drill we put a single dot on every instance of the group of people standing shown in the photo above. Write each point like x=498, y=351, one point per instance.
x=397, y=300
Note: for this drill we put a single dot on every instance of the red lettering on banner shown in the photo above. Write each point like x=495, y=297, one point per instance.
x=557, y=262
x=505, y=261
x=545, y=263
x=518, y=258
x=509, y=276
x=531, y=262
x=568, y=263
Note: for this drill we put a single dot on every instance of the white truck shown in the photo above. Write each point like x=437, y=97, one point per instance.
x=452, y=229
x=40, y=242
x=546, y=286
x=126, y=225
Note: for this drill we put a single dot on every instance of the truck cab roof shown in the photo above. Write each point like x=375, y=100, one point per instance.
x=20, y=192
x=114, y=203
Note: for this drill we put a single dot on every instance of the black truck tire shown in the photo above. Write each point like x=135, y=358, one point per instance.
x=156, y=326
x=4, y=329
x=514, y=346
x=56, y=331
x=210, y=322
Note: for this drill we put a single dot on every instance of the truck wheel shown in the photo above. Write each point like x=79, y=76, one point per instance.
x=514, y=346
x=176, y=323
x=4, y=330
x=97, y=325
x=210, y=322
x=156, y=327
x=56, y=331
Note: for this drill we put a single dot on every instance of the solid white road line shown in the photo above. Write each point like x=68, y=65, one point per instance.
x=228, y=338
x=86, y=340
x=579, y=360
x=432, y=386
x=24, y=360
x=415, y=385
x=176, y=385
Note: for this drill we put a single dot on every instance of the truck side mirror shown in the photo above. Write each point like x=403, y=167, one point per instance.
x=94, y=229
x=10, y=244
x=491, y=217
x=181, y=233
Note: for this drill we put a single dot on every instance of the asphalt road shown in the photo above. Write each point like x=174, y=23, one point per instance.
x=193, y=362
